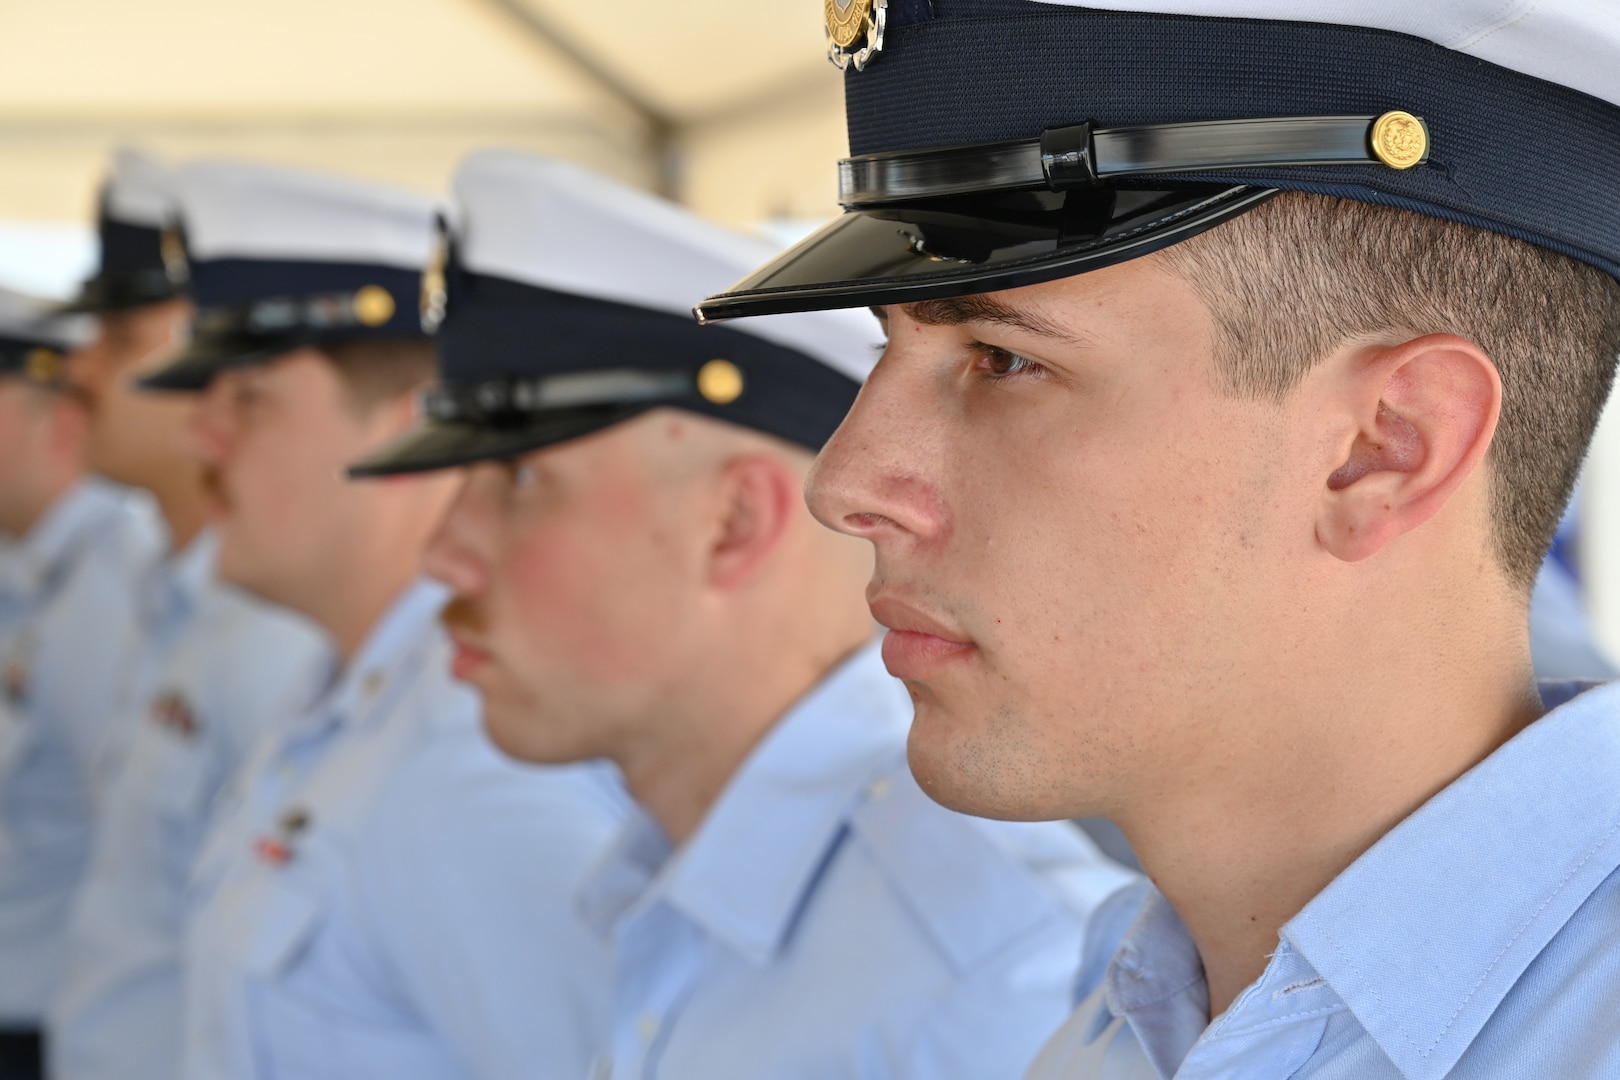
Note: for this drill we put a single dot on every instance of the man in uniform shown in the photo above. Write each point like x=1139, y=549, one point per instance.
x=384, y=894
x=1242, y=355
x=637, y=579
x=68, y=631
x=214, y=671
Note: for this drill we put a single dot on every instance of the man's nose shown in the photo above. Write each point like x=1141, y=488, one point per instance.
x=878, y=477
x=451, y=556
x=207, y=434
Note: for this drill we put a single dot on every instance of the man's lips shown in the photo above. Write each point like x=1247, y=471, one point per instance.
x=916, y=643
x=467, y=660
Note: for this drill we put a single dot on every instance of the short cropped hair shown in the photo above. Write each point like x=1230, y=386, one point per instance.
x=376, y=372
x=1292, y=280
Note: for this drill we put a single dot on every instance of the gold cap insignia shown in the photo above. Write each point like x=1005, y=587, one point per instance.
x=43, y=366
x=373, y=305
x=435, y=296
x=1400, y=140
x=172, y=248
x=720, y=382
x=854, y=30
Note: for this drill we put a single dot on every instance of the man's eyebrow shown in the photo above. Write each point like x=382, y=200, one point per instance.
x=956, y=310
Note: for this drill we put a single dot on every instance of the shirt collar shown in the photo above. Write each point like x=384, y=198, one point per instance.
x=744, y=874
x=1425, y=934
x=394, y=649
x=174, y=588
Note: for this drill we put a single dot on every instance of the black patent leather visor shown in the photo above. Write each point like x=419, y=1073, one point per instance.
x=962, y=244
x=441, y=444
x=955, y=220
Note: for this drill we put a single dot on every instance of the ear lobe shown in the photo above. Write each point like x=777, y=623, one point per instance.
x=758, y=499
x=1422, y=415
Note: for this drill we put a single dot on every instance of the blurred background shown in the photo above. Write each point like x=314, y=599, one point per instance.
x=728, y=106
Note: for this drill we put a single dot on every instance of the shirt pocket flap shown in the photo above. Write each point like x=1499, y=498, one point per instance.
x=287, y=922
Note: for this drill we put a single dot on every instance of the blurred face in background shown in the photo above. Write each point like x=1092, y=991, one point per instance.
x=41, y=443
x=274, y=440
x=579, y=573
x=136, y=437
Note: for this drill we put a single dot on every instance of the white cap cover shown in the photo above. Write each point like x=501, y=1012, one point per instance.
x=246, y=210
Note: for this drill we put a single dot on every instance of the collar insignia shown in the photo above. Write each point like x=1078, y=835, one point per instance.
x=16, y=683
x=172, y=711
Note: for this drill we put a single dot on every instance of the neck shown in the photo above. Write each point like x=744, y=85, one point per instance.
x=180, y=500
x=732, y=700
x=350, y=619
x=28, y=517
x=1269, y=821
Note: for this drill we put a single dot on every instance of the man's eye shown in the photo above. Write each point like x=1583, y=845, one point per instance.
x=998, y=364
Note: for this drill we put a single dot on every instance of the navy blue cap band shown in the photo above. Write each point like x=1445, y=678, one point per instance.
x=1510, y=153
x=251, y=311
x=40, y=362
x=499, y=331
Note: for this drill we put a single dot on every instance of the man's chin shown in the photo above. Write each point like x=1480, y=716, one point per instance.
x=520, y=734
x=965, y=766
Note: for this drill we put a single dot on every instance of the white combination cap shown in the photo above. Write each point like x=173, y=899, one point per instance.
x=282, y=258
x=567, y=309
x=1002, y=143
x=555, y=225
x=34, y=338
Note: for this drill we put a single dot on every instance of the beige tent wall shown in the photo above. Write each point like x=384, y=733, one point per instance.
x=730, y=106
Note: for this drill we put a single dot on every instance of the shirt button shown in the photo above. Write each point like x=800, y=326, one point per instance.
x=880, y=787
x=647, y=1027
x=373, y=683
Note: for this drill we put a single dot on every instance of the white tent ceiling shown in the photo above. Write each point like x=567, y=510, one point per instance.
x=729, y=105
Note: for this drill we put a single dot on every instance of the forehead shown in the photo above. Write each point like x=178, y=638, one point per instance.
x=1063, y=309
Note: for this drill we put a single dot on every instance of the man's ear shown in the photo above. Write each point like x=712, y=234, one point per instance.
x=1419, y=418
x=758, y=498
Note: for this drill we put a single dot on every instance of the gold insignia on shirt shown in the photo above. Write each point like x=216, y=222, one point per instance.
x=171, y=710
x=373, y=305
x=1400, y=140
x=854, y=30
x=16, y=682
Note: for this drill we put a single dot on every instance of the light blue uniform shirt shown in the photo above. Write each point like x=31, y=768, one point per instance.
x=223, y=671
x=64, y=665
x=390, y=897
x=1478, y=940
x=828, y=920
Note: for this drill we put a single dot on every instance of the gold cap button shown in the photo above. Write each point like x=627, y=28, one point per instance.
x=720, y=382
x=44, y=366
x=1400, y=140
x=373, y=305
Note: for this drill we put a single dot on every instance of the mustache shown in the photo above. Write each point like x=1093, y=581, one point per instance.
x=213, y=483
x=462, y=615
